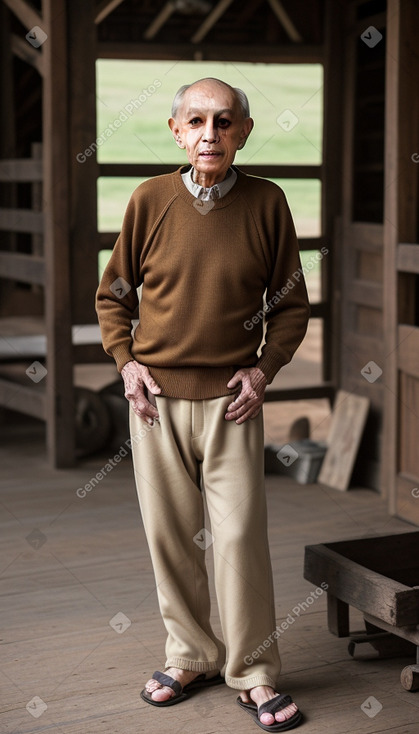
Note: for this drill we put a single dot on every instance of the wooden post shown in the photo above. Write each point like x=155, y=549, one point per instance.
x=59, y=380
x=331, y=184
x=83, y=175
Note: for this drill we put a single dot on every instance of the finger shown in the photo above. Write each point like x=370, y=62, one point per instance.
x=246, y=396
x=144, y=409
x=241, y=410
x=236, y=379
x=150, y=382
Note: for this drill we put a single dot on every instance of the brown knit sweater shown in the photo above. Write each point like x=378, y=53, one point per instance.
x=204, y=273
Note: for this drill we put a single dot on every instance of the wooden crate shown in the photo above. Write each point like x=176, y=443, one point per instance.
x=380, y=577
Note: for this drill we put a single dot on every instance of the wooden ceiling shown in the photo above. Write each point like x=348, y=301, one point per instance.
x=214, y=22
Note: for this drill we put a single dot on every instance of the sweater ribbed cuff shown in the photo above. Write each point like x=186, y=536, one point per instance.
x=121, y=355
x=270, y=363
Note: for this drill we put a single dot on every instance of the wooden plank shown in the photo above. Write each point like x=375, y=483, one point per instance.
x=278, y=54
x=293, y=34
x=25, y=13
x=385, y=554
x=104, y=8
x=21, y=220
x=215, y=14
x=408, y=258
x=59, y=386
x=400, y=206
x=360, y=587
x=27, y=400
x=367, y=293
x=407, y=633
x=23, y=268
x=159, y=21
x=366, y=236
x=21, y=169
x=348, y=421
x=28, y=53
x=407, y=502
x=314, y=392
x=156, y=169
x=408, y=346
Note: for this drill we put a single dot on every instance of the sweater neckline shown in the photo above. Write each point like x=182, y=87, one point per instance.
x=218, y=203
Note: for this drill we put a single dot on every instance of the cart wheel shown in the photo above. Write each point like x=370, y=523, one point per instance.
x=409, y=678
x=92, y=421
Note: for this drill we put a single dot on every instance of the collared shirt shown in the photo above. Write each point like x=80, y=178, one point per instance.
x=213, y=192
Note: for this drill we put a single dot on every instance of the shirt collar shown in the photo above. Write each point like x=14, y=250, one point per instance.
x=213, y=192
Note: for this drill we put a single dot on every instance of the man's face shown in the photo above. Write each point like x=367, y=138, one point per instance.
x=209, y=124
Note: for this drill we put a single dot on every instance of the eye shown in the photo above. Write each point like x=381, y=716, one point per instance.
x=195, y=121
x=223, y=122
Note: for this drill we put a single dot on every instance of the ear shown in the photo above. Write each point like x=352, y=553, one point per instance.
x=247, y=128
x=176, y=132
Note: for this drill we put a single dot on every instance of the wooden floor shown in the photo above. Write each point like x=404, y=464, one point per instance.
x=69, y=565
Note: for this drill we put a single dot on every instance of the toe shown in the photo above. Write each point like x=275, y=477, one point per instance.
x=162, y=694
x=267, y=719
x=245, y=697
x=286, y=713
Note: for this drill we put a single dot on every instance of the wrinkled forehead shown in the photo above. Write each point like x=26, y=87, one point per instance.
x=210, y=97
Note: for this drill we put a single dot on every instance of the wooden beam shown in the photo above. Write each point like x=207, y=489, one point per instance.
x=285, y=20
x=210, y=20
x=105, y=8
x=83, y=176
x=159, y=21
x=26, y=52
x=155, y=169
x=24, y=399
x=59, y=380
x=21, y=169
x=276, y=54
x=21, y=220
x=22, y=268
x=408, y=258
x=25, y=13
x=313, y=392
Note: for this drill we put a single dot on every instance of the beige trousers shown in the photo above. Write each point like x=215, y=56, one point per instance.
x=193, y=451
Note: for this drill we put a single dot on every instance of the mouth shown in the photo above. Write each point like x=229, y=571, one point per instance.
x=209, y=154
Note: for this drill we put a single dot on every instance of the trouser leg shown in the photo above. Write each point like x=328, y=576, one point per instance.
x=233, y=480
x=167, y=475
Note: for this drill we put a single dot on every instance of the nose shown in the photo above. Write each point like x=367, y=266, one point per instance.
x=210, y=132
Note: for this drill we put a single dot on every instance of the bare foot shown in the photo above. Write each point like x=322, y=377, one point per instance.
x=163, y=693
x=261, y=694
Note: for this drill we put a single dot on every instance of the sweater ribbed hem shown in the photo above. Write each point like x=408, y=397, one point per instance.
x=198, y=666
x=245, y=684
x=193, y=383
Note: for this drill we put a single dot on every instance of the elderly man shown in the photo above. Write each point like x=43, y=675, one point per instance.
x=206, y=243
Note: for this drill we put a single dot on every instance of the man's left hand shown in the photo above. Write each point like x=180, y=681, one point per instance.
x=250, y=399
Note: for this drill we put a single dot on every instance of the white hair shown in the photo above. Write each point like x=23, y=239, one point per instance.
x=240, y=96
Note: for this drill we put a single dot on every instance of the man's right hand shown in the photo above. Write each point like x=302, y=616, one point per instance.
x=136, y=378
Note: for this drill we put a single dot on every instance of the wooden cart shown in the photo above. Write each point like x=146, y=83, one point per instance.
x=380, y=577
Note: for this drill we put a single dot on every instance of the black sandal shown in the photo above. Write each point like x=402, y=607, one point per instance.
x=201, y=681
x=272, y=707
